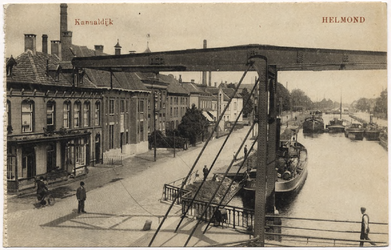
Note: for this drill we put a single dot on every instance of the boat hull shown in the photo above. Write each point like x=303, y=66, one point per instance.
x=313, y=126
x=372, y=135
x=336, y=129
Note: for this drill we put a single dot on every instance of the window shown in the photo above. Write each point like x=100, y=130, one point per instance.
x=111, y=136
x=67, y=114
x=9, y=127
x=97, y=113
x=122, y=106
x=141, y=106
x=27, y=116
x=111, y=107
x=86, y=114
x=76, y=114
x=141, y=130
x=50, y=107
x=235, y=106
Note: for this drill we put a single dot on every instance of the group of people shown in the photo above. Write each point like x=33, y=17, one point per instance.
x=43, y=191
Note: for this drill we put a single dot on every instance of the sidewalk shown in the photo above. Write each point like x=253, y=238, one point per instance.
x=98, y=176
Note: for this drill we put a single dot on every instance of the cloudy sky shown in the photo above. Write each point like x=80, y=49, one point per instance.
x=176, y=26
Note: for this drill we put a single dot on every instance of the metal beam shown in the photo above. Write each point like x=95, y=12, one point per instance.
x=235, y=59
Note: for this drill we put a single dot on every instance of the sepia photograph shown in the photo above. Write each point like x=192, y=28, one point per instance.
x=203, y=124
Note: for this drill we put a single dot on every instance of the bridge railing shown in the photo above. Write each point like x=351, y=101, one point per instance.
x=237, y=217
x=171, y=192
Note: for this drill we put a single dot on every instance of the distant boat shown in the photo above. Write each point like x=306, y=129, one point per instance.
x=313, y=124
x=291, y=167
x=336, y=126
x=355, y=131
x=372, y=132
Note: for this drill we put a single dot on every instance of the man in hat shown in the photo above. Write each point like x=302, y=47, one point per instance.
x=364, y=228
x=81, y=197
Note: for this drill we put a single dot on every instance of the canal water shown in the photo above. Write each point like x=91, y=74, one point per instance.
x=343, y=175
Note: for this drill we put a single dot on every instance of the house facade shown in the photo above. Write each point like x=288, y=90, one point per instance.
x=52, y=122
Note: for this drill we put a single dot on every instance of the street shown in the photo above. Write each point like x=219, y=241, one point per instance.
x=116, y=211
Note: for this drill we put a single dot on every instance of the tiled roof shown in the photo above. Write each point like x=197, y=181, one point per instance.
x=193, y=88
x=100, y=78
x=33, y=69
x=174, y=87
x=230, y=93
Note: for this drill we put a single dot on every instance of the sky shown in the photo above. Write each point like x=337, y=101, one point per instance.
x=178, y=26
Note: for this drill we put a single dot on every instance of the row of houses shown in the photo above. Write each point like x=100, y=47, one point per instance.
x=61, y=120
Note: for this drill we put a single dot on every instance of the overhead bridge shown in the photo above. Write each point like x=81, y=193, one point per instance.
x=266, y=60
x=235, y=58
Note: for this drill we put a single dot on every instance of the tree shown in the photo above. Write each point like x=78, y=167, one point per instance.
x=247, y=109
x=283, y=93
x=300, y=99
x=363, y=104
x=193, y=124
x=381, y=104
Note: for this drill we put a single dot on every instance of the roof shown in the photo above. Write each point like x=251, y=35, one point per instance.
x=101, y=79
x=33, y=69
x=192, y=88
x=174, y=86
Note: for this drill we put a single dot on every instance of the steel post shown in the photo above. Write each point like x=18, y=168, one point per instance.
x=271, y=149
x=260, y=65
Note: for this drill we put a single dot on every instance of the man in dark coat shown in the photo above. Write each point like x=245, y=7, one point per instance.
x=81, y=197
x=41, y=189
x=364, y=228
x=205, y=170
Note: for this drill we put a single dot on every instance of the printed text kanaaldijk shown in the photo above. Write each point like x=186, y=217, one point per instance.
x=103, y=22
x=343, y=19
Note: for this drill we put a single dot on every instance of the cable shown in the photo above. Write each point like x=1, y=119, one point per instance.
x=221, y=148
x=218, y=187
x=195, y=163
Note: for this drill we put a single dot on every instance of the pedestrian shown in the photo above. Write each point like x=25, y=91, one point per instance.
x=234, y=156
x=42, y=190
x=81, y=197
x=205, y=171
x=364, y=228
x=245, y=152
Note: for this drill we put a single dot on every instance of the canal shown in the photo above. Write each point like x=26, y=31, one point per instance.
x=343, y=176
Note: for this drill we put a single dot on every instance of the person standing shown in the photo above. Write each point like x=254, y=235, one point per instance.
x=205, y=171
x=364, y=227
x=81, y=197
x=245, y=151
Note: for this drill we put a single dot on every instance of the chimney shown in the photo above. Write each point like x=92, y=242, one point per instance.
x=99, y=48
x=192, y=80
x=180, y=79
x=117, y=48
x=45, y=43
x=66, y=42
x=215, y=84
x=63, y=18
x=56, y=48
x=30, y=41
x=204, y=72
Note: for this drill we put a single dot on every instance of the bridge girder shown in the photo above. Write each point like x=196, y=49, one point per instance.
x=235, y=59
